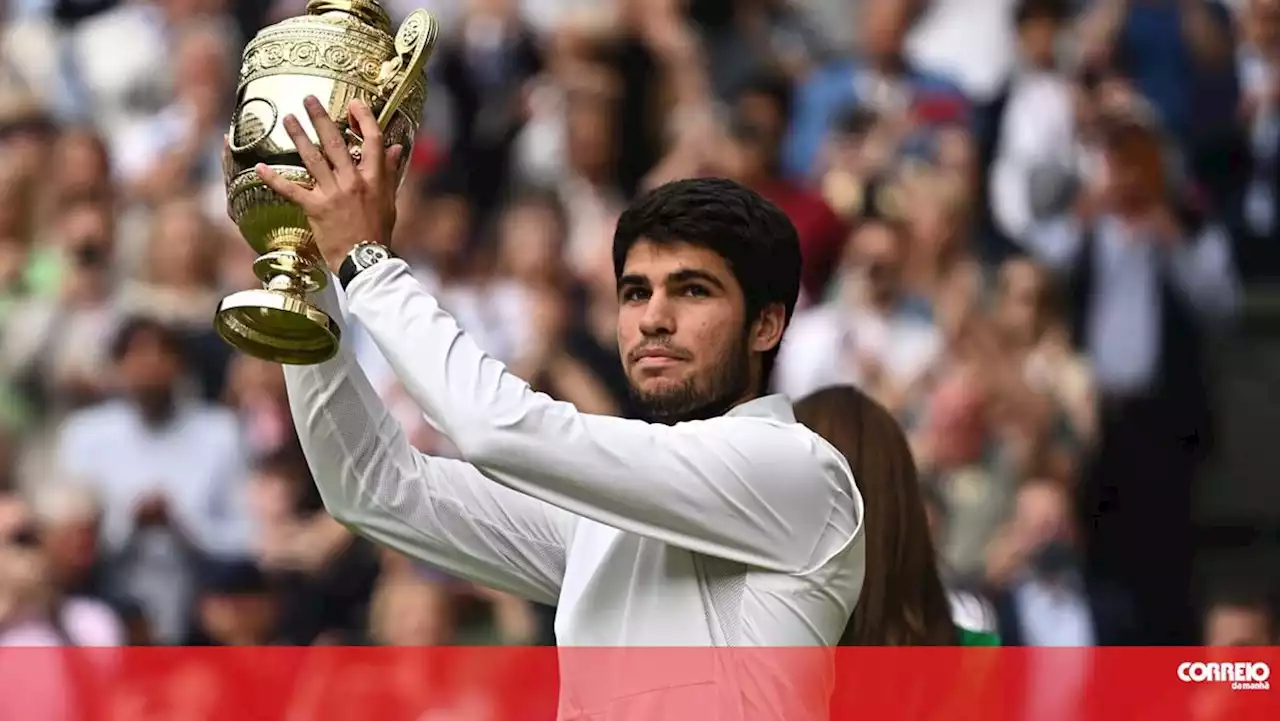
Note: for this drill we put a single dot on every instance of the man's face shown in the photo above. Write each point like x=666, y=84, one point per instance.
x=149, y=369
x=1018, y=305
x=72, y=545
x=875, y=252
x=1134, y=173
x=1038, y=37
x=884, y=29
x=686, y=347
x=238, y=618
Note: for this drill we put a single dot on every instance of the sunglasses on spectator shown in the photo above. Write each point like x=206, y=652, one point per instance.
x=18, y=128
x=25, y=537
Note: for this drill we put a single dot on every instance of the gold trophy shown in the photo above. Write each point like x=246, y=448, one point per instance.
x=341, y=50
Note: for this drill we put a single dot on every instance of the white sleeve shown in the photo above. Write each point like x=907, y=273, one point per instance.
x=437, y=510
x=1056, y=243
x=748, y=489
x=1204, y=270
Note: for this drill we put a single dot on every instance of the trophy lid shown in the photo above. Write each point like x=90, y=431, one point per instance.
x=370, y=12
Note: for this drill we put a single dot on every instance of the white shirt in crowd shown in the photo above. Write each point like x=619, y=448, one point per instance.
x=823, y=344
x=1038, y=134
x=743, y=530
x=943, y=41
x=1125, y=307
x=197, y=462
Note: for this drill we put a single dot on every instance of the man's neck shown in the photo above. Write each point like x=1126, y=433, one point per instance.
x=890, y=66
x=157, y=413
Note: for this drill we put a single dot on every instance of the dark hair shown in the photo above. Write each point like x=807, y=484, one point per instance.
x=775, y=86
x=141, y=326
x=1029, y=10
x=856, y=120
x=538, y=196
x=903, y=602
x=1250, y=593
x=754, y=236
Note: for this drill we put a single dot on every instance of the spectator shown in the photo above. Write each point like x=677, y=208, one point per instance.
x=237, y=606
x=322, y=574
x=883, y=80
x=1259, y=61
x=1044, y=598
x=486, y=67
x=763, y=113
x=1036, y=129
x=1148, y=278
x=68, y=519
x=869, y=335
x=54, y=349
x=179, y=284
x=170, y=472
x=181, y=145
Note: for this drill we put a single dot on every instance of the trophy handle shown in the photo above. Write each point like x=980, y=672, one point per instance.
x=414, y=43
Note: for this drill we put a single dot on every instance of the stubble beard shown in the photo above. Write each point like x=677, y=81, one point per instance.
x=697, y=399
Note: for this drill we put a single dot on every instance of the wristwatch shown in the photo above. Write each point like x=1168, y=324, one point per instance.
x=362, y=257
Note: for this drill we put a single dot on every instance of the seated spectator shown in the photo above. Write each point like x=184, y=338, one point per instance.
x=170, y=470
x=868, y=335
x=322, y=574
x=179, y=284
x=883, y=79
x=1042, y=595
x=237, y=605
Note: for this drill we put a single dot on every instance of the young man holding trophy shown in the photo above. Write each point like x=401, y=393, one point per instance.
x=719, y=522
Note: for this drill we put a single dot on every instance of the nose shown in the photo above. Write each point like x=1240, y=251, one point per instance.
x=658, y=318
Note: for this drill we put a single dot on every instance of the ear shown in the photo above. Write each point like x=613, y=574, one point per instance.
x=766, y=332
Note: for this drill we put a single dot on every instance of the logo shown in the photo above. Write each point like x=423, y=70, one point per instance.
x=1243, y=676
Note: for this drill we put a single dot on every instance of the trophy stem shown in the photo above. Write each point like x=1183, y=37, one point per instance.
x=278, y=323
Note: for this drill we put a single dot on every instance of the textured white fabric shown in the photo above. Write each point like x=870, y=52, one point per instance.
x=744, y=530
x=612, y=520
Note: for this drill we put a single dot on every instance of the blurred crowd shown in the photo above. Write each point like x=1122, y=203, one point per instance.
x=1025, y=225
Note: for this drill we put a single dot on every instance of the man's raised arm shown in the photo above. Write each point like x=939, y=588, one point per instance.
x=437, y=510
x=749, y=489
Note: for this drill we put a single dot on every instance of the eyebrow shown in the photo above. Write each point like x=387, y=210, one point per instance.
x=680, y=276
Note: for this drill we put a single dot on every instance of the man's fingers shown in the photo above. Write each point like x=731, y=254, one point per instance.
x=391, y=166
x=312, y=158
x=335, y=148
x=287, y=189
x=367, y=125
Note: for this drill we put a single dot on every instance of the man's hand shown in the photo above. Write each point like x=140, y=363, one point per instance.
x=352, y=202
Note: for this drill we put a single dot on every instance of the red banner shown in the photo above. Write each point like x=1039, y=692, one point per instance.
x=533, y=684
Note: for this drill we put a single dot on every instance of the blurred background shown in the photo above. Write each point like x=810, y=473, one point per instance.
x=1043, y=233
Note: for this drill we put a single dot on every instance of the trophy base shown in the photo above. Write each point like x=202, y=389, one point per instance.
x=278, y=327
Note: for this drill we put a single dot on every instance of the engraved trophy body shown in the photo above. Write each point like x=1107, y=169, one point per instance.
x=339, y=51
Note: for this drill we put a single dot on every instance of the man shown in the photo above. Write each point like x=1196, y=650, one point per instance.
x=721, y=523
x=763, y=110
x=871, y=334
x=169, y=471
x=1150, y=281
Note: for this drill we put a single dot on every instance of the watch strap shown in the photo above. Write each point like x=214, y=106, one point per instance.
x=361, y=258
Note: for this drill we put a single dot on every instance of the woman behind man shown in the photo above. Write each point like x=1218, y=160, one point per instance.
x=903, y=602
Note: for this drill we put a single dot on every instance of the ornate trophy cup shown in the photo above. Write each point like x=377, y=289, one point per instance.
x=339, y=51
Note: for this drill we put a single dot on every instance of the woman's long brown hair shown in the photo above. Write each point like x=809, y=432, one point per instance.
x=903, y=602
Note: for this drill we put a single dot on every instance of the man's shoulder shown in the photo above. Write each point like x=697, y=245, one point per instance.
x=216, y=422
x=107, y=413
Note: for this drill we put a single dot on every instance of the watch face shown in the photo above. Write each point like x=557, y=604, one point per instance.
x=370, y=254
